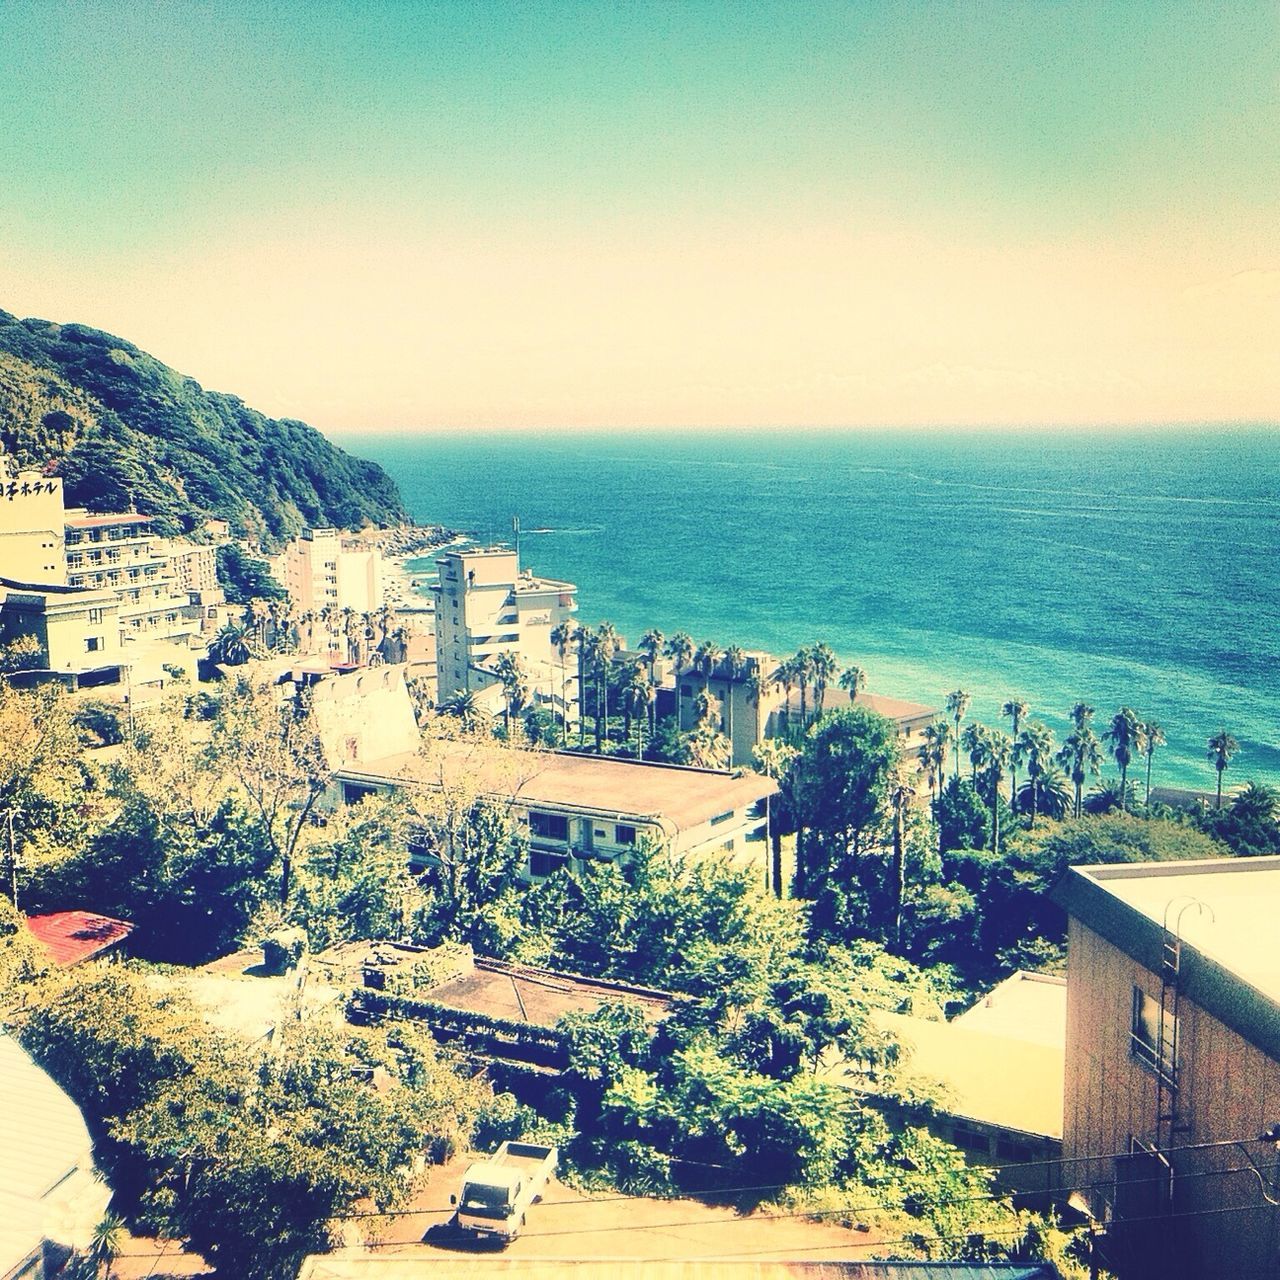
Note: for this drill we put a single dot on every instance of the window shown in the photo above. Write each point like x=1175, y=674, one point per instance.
x=92, y=644
x=721, y=817
x=968, y=1139
x=95, y=615
x=548, y=826
x=1152, y=1034
x=624, y=835
x=543, y=862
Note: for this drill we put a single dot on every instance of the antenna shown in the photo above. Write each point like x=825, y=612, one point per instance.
x=515, y=529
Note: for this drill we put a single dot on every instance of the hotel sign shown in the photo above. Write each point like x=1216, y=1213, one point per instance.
x=538, y=620
x=27, y=488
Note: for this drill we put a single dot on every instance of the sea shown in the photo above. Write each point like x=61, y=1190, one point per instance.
x=1132, y=568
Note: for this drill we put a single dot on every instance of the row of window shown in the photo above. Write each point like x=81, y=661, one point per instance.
x=555, y=826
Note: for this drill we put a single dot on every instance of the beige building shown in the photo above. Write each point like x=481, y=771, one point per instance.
x=120, y=553
x=324, y=568
x=192, y=567
x=578, y=808
x=30, y=526
x=78, y=630
x=486, y=605
x=1173, y=1064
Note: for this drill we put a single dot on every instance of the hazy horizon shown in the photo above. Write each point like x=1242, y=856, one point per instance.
x=566, y=216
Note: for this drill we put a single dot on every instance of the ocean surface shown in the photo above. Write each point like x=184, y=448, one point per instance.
x=1138, y=568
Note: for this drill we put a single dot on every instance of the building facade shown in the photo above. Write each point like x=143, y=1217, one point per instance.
x=578, y=808
x=325, y=568
x=486, y=605
x=31, y=533
x=77, y=630
x=120, y=553
x=1173, y=1064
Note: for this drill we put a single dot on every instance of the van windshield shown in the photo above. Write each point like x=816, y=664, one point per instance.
x=484, y=1201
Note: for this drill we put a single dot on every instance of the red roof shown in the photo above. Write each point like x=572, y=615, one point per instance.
x=71, y=937
x=90, y=522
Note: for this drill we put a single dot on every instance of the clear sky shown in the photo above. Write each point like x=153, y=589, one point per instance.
x=540, y=214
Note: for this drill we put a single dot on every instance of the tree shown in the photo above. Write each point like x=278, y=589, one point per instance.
x=1125, y=737
x=1081, y=756
x=232, y=646
x=802, y=670
x=775, y=759
x=755, y=687
x=841, y=793
x=1048, y=793
x=784, y=676
x=1248, y=825
x=1152, y=737
x=468, y=711
x=824, y=668
x=639, y=697
x=705, y=659
x=607, y=644
x=242, y=577
x=1222, y=746
x=853, y=680
x=957, y=704
x=997, y=751
x=515, y=686
x=1016, y=710
x=561, y=638
x=974, y=740
x=25, y=653
x=680, y=651
x=276, y=754
x=1033, y=747
x=651, y=646
x=933, y=751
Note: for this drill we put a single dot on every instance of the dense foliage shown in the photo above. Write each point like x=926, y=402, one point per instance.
x=124, y=430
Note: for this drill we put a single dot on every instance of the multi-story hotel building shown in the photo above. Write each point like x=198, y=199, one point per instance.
x=324, y=568
x=78, y=631
x=120, y=553
x=1173, y=1064
x=486, y=605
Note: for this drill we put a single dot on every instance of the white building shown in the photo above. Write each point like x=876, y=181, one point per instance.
x=30, y=526
x=120, y=553
x=78, y=630
x=324, y=568
x=486, y=605
x=51, y=1198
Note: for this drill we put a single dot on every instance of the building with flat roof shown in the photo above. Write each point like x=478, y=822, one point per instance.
x=577, y=808
x=31, y=532
x=1173, y=1063
x=78, y=631
x=327, y=569
x=486, y=605
x=120, y=553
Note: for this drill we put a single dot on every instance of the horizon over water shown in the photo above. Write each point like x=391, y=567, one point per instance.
x=1138, y=568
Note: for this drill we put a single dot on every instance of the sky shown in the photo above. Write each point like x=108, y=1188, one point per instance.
x=694, y=213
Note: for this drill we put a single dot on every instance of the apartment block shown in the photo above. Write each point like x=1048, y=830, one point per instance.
x=31, y=533
x=325, y=568
x=486, y=605
x=78, y=630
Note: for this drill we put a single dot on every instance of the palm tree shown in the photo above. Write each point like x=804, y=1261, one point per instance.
x=463, y=705
x=706, y=709
x=853, y=680
x=1152, y=737
x=1034, y=748
x=784, y=677
x=1081, y=714
x=705, y=659
x=680, y=651
x=1015, y=709
x=1125, y=737
x=639, y=702
x=974, y=741
x=108, y=1241
x=1050, y=790
x=735, y=661
x=1081, y=755
x=1222, y=746
x=561, y=639
x=901, y=794
x=824, y=667
x=802, y=665
x=608, y=642
x=231, y=647
x=651, y=647
x=997, y=750
x=957, y=704
x=586, y=647
x=933, y=752
x=515, y=688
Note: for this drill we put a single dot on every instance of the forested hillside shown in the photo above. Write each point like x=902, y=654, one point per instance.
x=121, y=428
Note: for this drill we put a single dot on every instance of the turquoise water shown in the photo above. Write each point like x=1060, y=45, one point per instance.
x=1139, y=568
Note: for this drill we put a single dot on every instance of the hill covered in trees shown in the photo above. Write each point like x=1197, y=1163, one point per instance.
x=122, y=428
